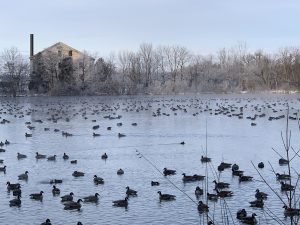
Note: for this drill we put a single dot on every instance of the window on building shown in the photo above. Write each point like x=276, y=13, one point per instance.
x=59, y=53
x=70, y=53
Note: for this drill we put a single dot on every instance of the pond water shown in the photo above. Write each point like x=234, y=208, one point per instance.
x=162, y=123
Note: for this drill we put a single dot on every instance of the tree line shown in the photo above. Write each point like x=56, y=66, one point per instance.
x=156, y=70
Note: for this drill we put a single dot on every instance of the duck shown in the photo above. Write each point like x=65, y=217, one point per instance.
x=73, y=205
x=166, y=197
x=104, y=156
x=258, y=203
x=121, y=203
x=120, y=172
x=15, y=202
x=55, y=181
x=167, y=172
x=21, y=156
x=23, y=176
x=68, y=197
x=55, y=190
x=250, y=219
x=242, y=213
x=130, y=192
x=221, y=185
x=12, y=186
x=234, y=167
x=154, y=183
x=73, y=161
x=2, y=150
x=47, y=222
x=77, y=174
x=3, y=169
x=283, y=161
x=260, y=195
x=39, y=156
x=202, y=207
x=92, y=198
x=37, y=196
x=261, y=165
x=65, y=156
x=198, y=192
x=237, y=173
x=51, y=158
x=205, y=159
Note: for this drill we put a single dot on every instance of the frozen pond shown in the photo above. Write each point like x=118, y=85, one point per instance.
x=162, y=123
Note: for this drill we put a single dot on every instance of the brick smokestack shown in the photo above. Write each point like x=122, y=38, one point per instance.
x=31, y=46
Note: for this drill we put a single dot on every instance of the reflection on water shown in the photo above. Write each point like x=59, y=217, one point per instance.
x=162, y=123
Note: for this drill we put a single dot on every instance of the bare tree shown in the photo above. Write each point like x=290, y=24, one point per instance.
x=146, y=56
x=15, y=68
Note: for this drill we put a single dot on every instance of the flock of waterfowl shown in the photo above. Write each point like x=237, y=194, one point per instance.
x=56, y=112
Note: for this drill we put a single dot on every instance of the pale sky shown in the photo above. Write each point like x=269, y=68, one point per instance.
x=104, y=26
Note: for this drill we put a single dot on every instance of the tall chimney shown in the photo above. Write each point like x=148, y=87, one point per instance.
x=31, y=46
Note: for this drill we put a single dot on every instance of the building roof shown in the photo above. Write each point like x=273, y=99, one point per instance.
x=59, y=45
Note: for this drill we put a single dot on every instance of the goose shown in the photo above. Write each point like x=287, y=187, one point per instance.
x=198, y=191
x=121, y=135
x=187, y=178
x=202, y=207
x=79, y=223
x=28, y=135
x=224, y=194
x=237, y=172
x=40, y=156
x=55, y=181
x=283, y=176
x=258, y=203
x=68, y=197
x=15, y=202
x=154, y=183
x=37, y=196
x=243, y=178
x=47, y=222
x=51, y=158
x=242, y=213
x=134, y=124
x=169, y=172
x=1, y=161
x=120, y=172
x=21, y=156
x=96, y=127
x=12, y=186
x=1, y=144
x=65, y=156
x=104, y=156
x=17, y=192
x=286, y=187
x=98, y=180
x=121, y=203
x=221, y=185
x=205, y=159
x=166, y=197
x=23, y=176
x=3, y=169
x=212, y=197
x=234, y=167
x=291, y=211
x=250, y=219
x=2, y=150
x=55, y=190
x=73, y=205
x=96, y=135
x=92, y=198
x=260, y=195
x=73, y=161
x=130, y=192
x=77, y=174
